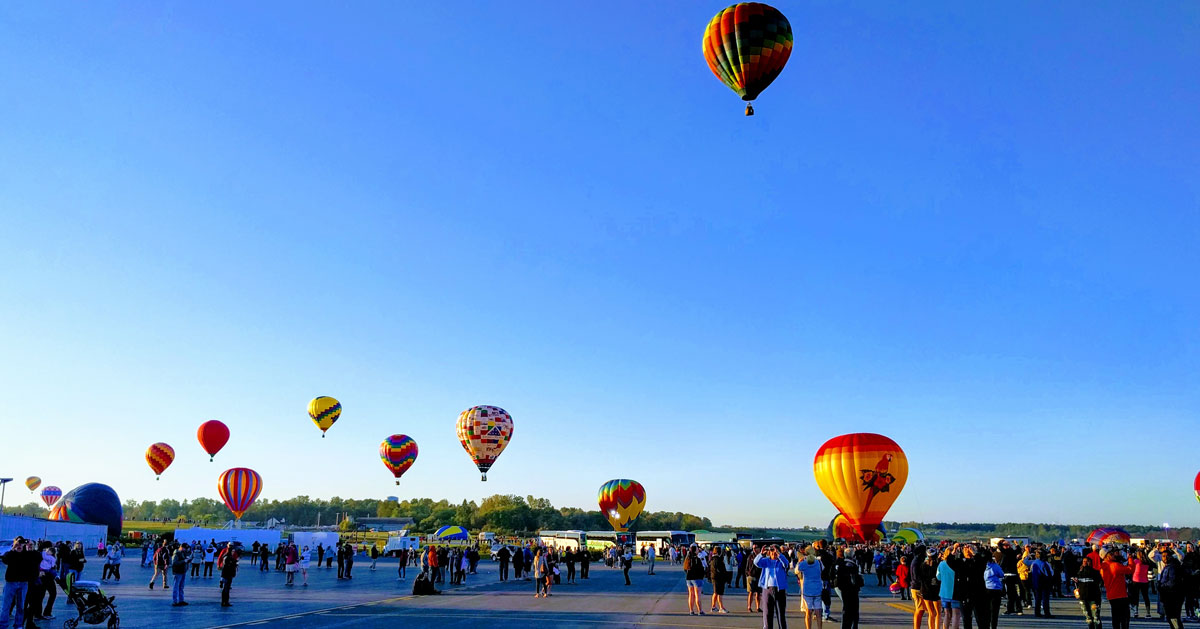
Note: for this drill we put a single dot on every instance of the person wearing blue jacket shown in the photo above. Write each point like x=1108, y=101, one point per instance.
x=773, y=582
x=993, y=581
x=1042, y=576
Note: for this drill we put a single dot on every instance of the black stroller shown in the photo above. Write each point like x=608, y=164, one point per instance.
x=91, y=603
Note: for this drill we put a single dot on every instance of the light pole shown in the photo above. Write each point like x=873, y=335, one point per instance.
x=3, y=484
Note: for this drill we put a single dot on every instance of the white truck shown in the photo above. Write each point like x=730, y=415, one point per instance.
x=397, y=543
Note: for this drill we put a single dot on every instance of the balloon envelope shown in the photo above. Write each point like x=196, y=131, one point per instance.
x=212, y=435
x=33, y=482
x=839, y=528
x=621, y=501
x=50, y=495
x=324, y=411
x=908, y=536
x=239, y=487
x=746, y=46
x=398, y=453
x=484, y=432
x=861, y=474
x=92, y=503
x=159, y=457
x=1196, y=486
x=451, y=532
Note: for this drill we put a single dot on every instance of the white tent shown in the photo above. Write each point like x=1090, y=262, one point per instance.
x=38, y=529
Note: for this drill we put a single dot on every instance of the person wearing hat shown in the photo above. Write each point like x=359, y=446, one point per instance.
x=1087, y=590
x=808, y=571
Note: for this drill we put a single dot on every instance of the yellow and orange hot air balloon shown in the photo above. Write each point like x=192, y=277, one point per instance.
x=159, y=457
x=33, y=482
x=861, y=474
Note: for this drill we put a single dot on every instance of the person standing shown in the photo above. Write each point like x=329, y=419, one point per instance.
x=993, y=583
x=1170, y=590
x=753, y=589
x=305, y=562
x=650, y=554
x=179, y=567
x=518, y=561
x=402, y=570
x=585, y=562
x=1114, y=572
x=112, y=563
x=210, y=558
x=47, y=574
x=502, y=556
x=320, y=554
x=627, y=563
x=161, y=561
x=569, y=557
x=228, y=571
x=349, y=560
x=1041, y=575
x=808, y=573
x=827, y=562
x=773, y=582
x=718, y=573
x=341, y=561
x=264, y=561
x=541, y=580
x=254, y=554
x=949, y=594
x=197, y=555
x=1140, y=585
x=374, y=555
x=1087, y=586
x=291, y=559
x=693, y=573
x=848, y=581
x=22, y=562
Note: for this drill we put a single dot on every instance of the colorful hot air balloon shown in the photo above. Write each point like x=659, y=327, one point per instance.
x=746, y=45
x=452, y=532
x=398, y=452
x=239, y=487
x=1196, y=486
x=93, y=503
x=621, y=501
x=32, y=483
x=1115, y=536
x=324, y=411
x=861, y=474
x=908, y=536
x=839, y=528
x=50, y=495
x=484, y=432
x=213, y=435
x=159, y=457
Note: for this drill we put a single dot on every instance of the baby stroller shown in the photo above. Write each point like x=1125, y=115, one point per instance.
x=91, y=603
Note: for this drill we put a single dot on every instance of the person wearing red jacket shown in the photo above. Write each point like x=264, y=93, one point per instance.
x=1114, y=571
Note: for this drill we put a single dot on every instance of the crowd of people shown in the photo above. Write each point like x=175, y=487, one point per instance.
x=951, y=585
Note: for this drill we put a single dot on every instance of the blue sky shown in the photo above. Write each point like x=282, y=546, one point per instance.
x=970, y=228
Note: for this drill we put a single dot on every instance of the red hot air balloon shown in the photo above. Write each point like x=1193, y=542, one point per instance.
x=1197, y=487
x=398, y=452
x=50, y=495
x=239, y=487
x=213, y=435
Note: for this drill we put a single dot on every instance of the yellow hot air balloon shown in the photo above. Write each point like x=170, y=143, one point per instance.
x=861, y=474
x=324, y=411
x=33, y=482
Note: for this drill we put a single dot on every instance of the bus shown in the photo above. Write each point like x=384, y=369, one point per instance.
x=660, y=540
x=564, y=540
x=601, y=540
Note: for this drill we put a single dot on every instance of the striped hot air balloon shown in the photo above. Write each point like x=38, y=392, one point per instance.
x=839, y=528
x=621, y=501
x=159, y=457
x=50, y=494
x=746, y=46
x=398, y=452
x=33, y=482
x=239, y=487
x=861, y=474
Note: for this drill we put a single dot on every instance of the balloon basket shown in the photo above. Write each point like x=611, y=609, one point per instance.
x=484, y=477
x=749, y=109
x=322, y=435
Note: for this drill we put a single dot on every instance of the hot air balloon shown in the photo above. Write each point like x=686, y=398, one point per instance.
x=239, y=487
x=159, y=457
x=839, y=528
x=621, y=501
x=1196, y=486
x=908, y=536
x=93, y=503
x=50, y=495
x=213, y=435
x=324, y=411
x=398, y=452
x=861, y=474
x=452, y=532
x=32, y=483
x=1115, y=536
x=746, y=45
x=484, y=432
